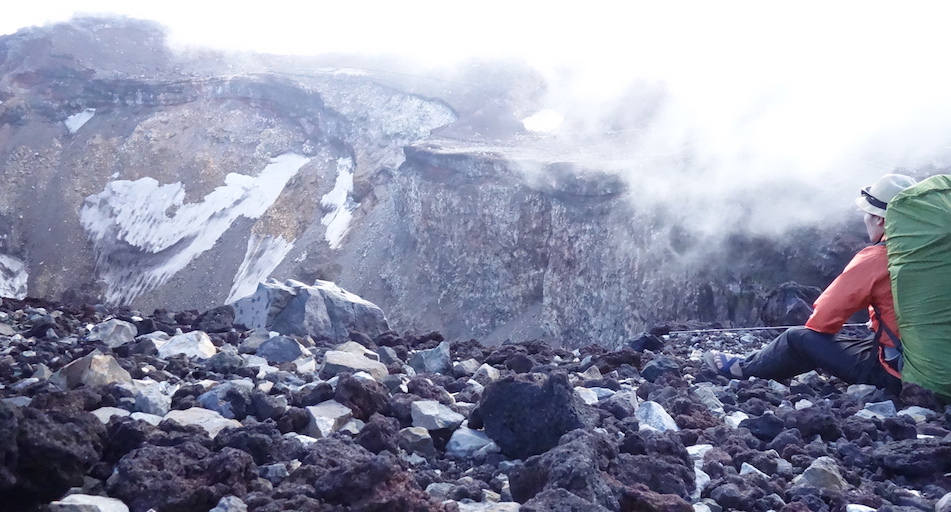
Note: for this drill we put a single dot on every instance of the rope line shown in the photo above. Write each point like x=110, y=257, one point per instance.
x=753, y=328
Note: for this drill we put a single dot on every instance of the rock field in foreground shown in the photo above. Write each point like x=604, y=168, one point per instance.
x=185, y=412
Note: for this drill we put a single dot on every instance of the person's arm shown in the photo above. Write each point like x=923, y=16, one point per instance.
x=851, y=291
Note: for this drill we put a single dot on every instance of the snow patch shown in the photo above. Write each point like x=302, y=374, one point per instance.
x=339, y=204
x=13, y=277
x=144, y=232
x=543, y=121
x=76, y=121
x=263, y=255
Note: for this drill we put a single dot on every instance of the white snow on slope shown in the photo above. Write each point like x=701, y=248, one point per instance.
x=263, y=255
x=13, y=277
x=144, y=232
x=76, y=121
x=340, y=204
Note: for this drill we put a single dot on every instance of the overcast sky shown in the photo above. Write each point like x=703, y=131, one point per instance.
x=759, y=89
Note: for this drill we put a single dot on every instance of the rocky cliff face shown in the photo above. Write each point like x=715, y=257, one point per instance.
x=136, y=175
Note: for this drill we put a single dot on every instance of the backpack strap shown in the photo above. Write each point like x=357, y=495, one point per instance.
x=884, y=327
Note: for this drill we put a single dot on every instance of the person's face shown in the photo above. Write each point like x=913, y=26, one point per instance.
x=875, y=226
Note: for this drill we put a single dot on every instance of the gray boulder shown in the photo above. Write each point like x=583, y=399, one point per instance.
x=113, y=332
x=294, y=308
x=434, y=360
x=95, y=369
x=280, y=349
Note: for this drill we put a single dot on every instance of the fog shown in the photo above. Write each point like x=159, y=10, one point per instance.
x=747, y=115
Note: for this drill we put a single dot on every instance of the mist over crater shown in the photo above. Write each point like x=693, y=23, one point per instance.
x=489, y=199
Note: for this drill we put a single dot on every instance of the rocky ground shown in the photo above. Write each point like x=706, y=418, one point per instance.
x=186, y=412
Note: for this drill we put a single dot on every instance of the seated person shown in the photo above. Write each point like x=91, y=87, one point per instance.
x=864, y=283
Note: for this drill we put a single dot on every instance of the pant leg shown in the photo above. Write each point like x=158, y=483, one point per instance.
x=799, y=350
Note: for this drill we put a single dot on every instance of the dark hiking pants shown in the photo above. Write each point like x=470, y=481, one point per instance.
x=799, y=350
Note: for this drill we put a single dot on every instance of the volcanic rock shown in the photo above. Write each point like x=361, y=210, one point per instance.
x=322, y=310
x=113, y=332
x=93, y=370
x=195, y=344
x=280, y=349
x=336, y=361
x=434, y=360
x=211, y=421
x=87, y=503
x=432, y=415
x=526, y=416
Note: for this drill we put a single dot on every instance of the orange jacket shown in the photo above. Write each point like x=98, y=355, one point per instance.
x=864, y=282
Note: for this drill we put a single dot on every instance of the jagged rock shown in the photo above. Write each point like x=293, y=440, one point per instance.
x=559, y=500
x=336, y=362
x=765, y=427
x=434, y=360
x=944, y=504
x=358, y=349
x=186, y=478
x=226, y=361
x=526, y=416
x=578, y=465
x=250, y=344
x=465, y=368
x=653, y=415
x=380, y=433
x=789, y=304
x=464, y=442
x=823, y=473
x=879, y=410
x=280, y=349
x=362, y=396
x=659, y=366
x=211, y=421
x=657, y=460
x=587, y=396
x=486, y=374
x=232, y=504
x=492, y=507
x=195, y=344
x=88, y=503
x=432, y=415
x=416, y=440
x=322, y=310
x=914, y=457
x=231, y=399
x=43, y=455
x=113, y=333
x=219, y=319
x=106, y=413
x=152, y=397
x=326, y=418
x=93, y=370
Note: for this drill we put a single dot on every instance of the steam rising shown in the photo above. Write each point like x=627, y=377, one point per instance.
x=752, y=115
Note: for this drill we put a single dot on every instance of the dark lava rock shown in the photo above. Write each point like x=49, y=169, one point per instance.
x=789, y=304
x=659, y=366
x=526, y=416
x=578, y=465
x=44, y=454
x=219, y=319
x=341, y=473
x=765, y=427
x=660, y=462
x=184, y=478
x=640, y=498
x=559, y=500
x=363, y=397
x=914, y=457
x=379, y=434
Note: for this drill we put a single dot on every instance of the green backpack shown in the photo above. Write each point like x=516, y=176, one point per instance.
x=918, y=230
